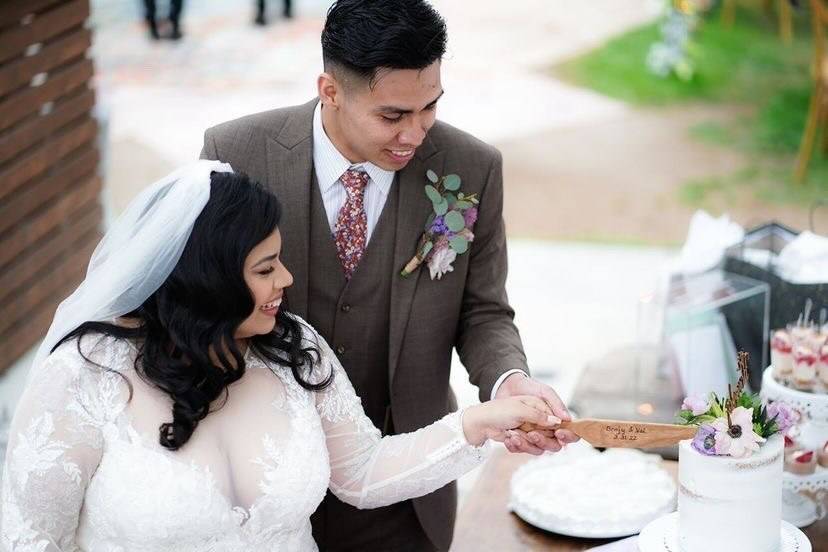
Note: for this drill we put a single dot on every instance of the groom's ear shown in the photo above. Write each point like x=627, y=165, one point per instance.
x=330, y=90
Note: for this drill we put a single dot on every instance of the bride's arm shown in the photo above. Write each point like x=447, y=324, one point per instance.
x=369, y=471
x=54, y=448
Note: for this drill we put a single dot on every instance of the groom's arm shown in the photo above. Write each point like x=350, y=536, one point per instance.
x=488, y=342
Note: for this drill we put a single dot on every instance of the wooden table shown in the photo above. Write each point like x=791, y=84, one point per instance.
x=484, y=523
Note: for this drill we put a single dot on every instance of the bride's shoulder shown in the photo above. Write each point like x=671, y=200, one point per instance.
x=309, y=336
x=311, y=339
x=87, y=371
x=91, y=350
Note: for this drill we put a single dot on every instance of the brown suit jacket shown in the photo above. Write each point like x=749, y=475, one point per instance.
x=467, y=309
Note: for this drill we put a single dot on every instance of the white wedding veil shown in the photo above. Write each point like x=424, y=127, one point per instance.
x=137, y=253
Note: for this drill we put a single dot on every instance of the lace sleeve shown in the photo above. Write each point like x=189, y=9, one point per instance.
x=369, y=471
x=54, y=448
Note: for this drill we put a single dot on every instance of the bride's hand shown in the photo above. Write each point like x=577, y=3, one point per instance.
x=494, y=419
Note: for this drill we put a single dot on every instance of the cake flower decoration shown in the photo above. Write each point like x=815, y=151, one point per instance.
x=737, y=424
x=736, y=437
x=784, y=416
x=705, y=440
x=698, y=405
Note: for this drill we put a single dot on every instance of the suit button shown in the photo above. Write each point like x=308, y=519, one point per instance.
x=346, y=308
x=340, y=350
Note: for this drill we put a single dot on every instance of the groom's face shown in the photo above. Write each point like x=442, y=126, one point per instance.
x=385, y=124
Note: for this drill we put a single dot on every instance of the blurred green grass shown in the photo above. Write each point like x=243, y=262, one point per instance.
x=746, y=65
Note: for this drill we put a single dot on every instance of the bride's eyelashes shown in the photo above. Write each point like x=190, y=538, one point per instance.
x=269, y=270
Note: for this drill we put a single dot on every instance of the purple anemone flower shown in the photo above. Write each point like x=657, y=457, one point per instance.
x=705, y=440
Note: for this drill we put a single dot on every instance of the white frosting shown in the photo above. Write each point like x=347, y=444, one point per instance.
x=578, y=491
x=730, y=503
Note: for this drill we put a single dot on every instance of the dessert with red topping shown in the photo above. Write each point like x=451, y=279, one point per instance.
x=781, y=354
x=801, y=462
x=804, y=371
x=822, y=365
x=791, y=446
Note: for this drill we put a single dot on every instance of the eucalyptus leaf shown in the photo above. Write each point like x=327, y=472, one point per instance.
x=462, y=205
x=441, y=208
x=451, y=182
x=431, y=175
x=451, y=199
x=427, y=248
x=459, y=244
x=430, y=221
x=433, y=194
x=454, y=221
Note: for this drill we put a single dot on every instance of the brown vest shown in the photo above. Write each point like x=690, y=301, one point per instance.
x=353, y=317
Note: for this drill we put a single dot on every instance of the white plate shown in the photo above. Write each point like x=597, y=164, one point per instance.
x=582, y=492
x=662, y=536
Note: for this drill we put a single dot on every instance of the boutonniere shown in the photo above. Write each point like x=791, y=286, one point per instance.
x=448, y=229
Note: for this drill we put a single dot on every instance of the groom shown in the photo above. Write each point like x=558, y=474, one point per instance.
x=350, y=169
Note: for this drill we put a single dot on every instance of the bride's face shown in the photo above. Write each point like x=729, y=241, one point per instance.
x=267, y=279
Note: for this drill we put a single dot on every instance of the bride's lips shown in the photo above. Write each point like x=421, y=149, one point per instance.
x=272, y=307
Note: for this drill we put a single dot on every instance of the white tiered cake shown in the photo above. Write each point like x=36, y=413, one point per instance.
x=730, y=503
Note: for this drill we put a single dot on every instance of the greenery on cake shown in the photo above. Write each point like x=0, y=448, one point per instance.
x=737, y=424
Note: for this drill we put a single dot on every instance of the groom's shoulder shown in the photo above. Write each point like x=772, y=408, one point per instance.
x=257, y=124
x=454, y=141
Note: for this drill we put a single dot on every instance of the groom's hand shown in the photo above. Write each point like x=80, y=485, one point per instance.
x=535, y=442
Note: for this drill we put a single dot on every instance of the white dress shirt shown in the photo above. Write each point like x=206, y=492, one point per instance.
x=329, y=165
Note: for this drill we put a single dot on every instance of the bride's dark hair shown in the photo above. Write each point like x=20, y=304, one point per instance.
x=185, y=330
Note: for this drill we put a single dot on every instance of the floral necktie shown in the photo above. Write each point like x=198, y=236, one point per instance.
x=351, y=229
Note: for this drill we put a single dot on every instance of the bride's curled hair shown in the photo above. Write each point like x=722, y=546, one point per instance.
x=185, y=330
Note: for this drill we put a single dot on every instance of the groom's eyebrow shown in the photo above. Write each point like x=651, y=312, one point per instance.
x=266, y=259
x=401, y=111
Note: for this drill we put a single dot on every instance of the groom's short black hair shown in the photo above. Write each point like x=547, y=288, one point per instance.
x=363, y=36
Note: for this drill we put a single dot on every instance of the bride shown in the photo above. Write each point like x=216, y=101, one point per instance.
x=176, y=405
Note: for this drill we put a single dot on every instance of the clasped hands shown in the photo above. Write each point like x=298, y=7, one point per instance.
x=520, y=400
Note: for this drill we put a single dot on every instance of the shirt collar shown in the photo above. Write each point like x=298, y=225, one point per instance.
x=330, y=164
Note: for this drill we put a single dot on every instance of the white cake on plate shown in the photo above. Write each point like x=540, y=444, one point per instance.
x=728, y=503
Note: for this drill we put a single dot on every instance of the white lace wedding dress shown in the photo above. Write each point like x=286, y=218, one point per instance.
x=84, y=470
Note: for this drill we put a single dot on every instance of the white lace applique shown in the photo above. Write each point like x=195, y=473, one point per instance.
x=79, y=476
x=270, y=466
x=97, y=401
x=18, y=532
x=338, y=401
x=37, y=452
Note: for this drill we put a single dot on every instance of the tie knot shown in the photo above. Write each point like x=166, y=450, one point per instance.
x=354, y=181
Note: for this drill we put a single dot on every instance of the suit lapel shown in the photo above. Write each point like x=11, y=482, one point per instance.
x=413, y=207
x=290, y=175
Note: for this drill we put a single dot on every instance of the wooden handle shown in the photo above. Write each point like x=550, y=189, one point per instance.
x=621, y=433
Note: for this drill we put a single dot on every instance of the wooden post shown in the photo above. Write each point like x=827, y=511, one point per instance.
x=50, y=214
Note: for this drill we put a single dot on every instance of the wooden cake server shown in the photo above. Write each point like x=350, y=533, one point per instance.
x=621, y=433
